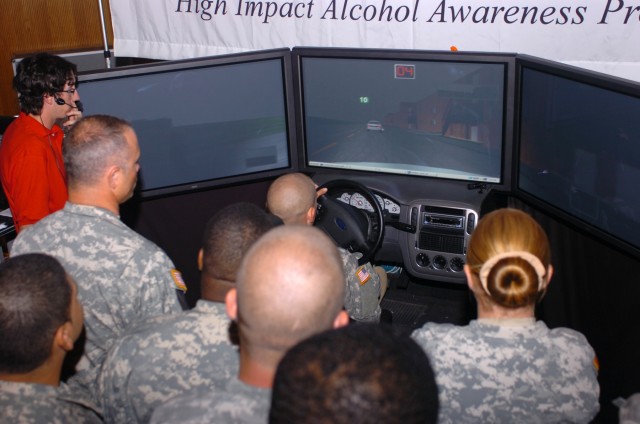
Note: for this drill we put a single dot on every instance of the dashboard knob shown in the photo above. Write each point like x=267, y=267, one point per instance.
x=422, y=259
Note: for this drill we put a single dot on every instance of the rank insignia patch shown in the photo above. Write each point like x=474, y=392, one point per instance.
x=178, y=281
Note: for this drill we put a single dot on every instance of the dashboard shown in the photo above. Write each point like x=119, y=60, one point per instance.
x=427, y=227
x=358, y=200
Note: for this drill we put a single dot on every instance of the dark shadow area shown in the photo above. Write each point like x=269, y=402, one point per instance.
x=412, y=303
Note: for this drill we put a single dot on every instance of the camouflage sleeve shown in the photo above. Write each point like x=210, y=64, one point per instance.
x=362, y=294
x=158, y=280
x=113, y=398
x=23, y=244
x=579, y=384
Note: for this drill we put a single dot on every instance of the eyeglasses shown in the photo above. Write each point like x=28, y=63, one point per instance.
x=71, y=91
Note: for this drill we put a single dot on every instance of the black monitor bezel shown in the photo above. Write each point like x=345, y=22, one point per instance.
x=506, y=59
x=582, y=75
x=284, y=54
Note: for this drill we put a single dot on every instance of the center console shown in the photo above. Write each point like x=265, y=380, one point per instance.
x=438, y=247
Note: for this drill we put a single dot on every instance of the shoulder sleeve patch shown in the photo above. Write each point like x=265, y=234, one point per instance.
x=178, y=281
x=363, y=275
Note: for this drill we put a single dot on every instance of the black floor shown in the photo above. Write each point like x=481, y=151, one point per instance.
x=410, y=303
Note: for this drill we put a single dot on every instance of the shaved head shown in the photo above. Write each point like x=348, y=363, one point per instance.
x=289, y=287
x=291, y=196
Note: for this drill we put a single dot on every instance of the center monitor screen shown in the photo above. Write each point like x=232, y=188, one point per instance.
x=200, y=122
x=407, y=115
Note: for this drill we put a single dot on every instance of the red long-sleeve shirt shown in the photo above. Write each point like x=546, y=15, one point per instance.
x=32, y=170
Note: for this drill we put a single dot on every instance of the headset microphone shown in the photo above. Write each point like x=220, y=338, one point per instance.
x=78, y=104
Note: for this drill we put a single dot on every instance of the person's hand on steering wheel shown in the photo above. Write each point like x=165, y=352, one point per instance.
x=352, y=229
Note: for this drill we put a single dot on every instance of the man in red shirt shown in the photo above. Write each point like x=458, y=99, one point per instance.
x=31, y=166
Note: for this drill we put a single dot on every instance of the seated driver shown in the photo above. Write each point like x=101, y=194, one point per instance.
x=293, y=198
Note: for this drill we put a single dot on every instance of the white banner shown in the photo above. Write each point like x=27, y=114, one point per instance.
x=597, y=34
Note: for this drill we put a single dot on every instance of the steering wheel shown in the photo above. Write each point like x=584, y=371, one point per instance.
x=353, y=229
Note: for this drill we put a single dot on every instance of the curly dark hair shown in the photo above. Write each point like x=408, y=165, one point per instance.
x=362, y=373
x=41, y=74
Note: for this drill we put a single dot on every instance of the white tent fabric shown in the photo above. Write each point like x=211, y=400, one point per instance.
x=597, y=34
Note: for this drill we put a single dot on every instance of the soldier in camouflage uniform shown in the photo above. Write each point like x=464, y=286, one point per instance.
x=121, y=276
x=505, y=366
x=172, y=354
x=289, y=287
x=292, y=197
x=41, y=321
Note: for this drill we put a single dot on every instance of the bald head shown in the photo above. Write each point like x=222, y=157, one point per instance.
x=292, y=197
x=290, y=286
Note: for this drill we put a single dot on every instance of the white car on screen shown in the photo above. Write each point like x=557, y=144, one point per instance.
x=374, y=126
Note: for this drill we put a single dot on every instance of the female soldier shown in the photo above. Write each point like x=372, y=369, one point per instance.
x=505, y=366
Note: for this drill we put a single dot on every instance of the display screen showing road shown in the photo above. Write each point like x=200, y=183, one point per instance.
x=446, y=121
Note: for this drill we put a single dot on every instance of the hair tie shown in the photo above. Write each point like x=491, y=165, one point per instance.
x=533, y=260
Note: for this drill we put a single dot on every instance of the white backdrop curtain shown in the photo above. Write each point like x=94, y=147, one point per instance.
x=597, y=34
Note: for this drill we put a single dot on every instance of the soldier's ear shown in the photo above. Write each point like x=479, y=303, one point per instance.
x=311, y=215
x=231, y=303
x=113, y=176
x=470, y=277
x=64, y=337
x=200, y=253
x=342, y=319
x=548, y=277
